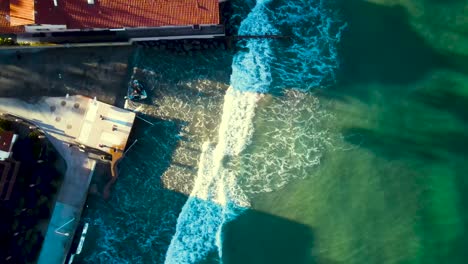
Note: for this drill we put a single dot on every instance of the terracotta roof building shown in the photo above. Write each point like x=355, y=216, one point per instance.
x=5, y=25
x=18, y=16
x=21, y=12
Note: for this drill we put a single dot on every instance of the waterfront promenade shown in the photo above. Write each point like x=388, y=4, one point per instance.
x=76, y=126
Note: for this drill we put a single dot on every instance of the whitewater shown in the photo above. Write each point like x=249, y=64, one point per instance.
x=217, y=197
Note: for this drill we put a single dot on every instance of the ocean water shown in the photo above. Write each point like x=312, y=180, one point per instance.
x=345, y=143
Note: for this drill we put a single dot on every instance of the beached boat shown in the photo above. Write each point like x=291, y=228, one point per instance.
x=136, y=91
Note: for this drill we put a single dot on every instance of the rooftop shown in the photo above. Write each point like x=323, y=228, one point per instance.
x=21, y=12
x=78, y=14
x=68, y=121
x=5, y=26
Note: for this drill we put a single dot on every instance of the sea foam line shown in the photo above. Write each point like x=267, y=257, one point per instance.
x=215, y=197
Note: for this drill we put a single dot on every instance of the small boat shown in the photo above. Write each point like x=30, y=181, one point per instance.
x=136, y=92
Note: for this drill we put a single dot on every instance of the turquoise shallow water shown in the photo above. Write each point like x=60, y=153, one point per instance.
x=345, y=145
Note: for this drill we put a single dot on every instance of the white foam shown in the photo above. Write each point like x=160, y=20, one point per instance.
x=107, y=241
x=251, y=69
x=217, y=196
x=313, y=51
x=290, y=144
x=198, y=231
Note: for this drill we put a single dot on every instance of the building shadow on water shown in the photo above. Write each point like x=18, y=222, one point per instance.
x=137, y=224
x=257, y=237
x=421, y=145
x=144, y=233
x=138, y=221
x=446, y=97
x=151, y=141
x=381, y=53
x=422, y=142
x=188, y=78
x=380, y=46
x=412, y=105
x=419, y=132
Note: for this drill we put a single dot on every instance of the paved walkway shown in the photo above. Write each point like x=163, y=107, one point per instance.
x=124, y=36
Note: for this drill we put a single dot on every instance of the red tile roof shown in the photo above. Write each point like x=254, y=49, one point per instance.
x=21, y=12
x=6, y=138
x=78, y=14
x=5, y=26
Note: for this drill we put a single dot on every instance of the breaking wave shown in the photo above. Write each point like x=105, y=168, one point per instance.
x=215, y=197
x=305, y=60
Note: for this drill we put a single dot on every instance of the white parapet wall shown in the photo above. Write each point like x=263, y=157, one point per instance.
x=44, y=28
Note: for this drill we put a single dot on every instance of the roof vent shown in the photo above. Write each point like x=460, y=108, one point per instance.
x=55, y=3
x=91, y=2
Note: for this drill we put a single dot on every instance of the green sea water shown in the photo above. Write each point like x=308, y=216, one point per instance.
x=369, y=168
x=392, y=183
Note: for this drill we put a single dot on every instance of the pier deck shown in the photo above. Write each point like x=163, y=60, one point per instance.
x=68, y=123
